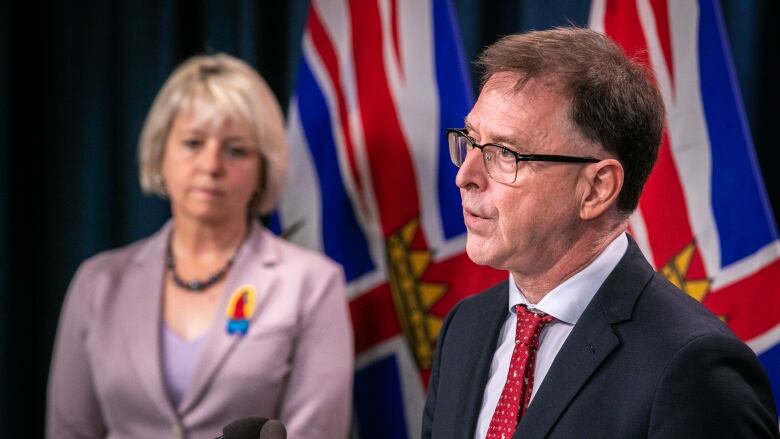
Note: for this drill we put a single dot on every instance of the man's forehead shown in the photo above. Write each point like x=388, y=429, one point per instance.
x=490, y=130
x=504, y=80
x=501, y=106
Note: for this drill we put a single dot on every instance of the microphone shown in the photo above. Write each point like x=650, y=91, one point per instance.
x=273, y=429
x=254, y=427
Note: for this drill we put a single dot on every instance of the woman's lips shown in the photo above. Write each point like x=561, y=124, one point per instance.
x=206, y=192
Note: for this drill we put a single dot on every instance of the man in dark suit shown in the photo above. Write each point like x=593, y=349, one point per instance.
x=585, y=339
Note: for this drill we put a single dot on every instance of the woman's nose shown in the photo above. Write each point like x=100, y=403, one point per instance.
x=211, y=157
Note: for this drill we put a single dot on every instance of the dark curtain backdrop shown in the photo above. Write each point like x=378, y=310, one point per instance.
x=76, y=80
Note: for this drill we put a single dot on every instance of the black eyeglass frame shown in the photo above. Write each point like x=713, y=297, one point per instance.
x=455, y=153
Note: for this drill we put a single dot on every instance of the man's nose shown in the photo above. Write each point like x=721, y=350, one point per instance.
x=471, y=171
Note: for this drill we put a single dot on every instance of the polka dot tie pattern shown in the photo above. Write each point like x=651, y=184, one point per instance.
x=516, y=394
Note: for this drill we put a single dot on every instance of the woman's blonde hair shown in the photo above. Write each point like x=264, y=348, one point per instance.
x=220, y=87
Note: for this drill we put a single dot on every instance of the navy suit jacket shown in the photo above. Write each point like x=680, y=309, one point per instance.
x=644, y=360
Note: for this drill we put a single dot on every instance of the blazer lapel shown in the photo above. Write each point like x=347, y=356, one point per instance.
x=252, y=262
x=590, y=343
x=483, y=339
x=141, y=295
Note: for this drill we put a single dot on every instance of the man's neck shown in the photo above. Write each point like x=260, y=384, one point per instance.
x=535, y=286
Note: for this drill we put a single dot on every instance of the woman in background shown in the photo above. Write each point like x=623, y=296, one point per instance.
x=212, y=318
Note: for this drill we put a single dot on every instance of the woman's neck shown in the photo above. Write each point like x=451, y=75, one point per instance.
x=196, y=238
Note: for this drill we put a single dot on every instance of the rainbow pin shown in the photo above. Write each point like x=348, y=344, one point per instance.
x=239, y=310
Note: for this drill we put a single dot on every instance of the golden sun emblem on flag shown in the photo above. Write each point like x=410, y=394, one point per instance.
x=412, y=296
x=676, y=271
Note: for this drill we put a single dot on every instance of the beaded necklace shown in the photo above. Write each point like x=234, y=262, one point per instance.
x=195, y=285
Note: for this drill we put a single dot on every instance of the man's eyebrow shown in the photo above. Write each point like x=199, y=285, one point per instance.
x=511, y=142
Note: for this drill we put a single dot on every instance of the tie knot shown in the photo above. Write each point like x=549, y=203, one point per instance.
x=529, y=324
x=522, y=310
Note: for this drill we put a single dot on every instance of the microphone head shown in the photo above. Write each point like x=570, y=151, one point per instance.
x=244, y=428
x=273, y=429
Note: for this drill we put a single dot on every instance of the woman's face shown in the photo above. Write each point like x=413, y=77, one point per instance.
x=211, y=170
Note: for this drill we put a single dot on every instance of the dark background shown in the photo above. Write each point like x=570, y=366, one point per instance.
x=76, y=80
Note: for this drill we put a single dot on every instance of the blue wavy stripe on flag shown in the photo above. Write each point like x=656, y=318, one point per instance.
x=343, y=238
x=739, y=203
x=455, y=99
x=379, y=402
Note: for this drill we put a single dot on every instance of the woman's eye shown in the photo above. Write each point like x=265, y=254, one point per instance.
x=237, y=151
x=192, y=143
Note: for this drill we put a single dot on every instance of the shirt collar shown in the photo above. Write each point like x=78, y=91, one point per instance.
x=568, y=301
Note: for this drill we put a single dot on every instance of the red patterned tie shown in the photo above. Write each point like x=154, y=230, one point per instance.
x=516, y=395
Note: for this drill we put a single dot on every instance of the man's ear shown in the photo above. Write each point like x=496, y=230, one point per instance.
x=602, y=184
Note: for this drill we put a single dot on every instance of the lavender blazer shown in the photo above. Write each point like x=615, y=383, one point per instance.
x=294, y=363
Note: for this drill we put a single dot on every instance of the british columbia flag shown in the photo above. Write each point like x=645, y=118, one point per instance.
x=371, y=184
x=703, y=220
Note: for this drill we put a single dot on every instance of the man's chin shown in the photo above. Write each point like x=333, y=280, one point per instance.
x=478, y=255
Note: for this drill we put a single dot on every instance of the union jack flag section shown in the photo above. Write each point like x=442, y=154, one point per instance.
x=703, y=220
x=372, y=186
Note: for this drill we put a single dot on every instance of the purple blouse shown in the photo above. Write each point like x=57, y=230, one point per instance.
x=179, y=357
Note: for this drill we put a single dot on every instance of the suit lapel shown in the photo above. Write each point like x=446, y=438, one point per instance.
x=141, y=296
x=253, y=263
x=483, y=341
x=590, y=343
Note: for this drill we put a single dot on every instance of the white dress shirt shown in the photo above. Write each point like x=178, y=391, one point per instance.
x=566, y=303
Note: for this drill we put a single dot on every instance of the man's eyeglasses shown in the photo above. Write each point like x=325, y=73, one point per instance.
x=501, y=163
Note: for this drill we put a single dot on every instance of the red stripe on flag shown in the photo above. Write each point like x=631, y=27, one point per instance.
x=661, y=13
x=750, y=306
x=325, y=49
x=464, y=278
x=396, y=39
x=388, y=154
x=373, y=313
x=664, y=209
x=663, y=203
x=373, y=318
x=621, y=22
